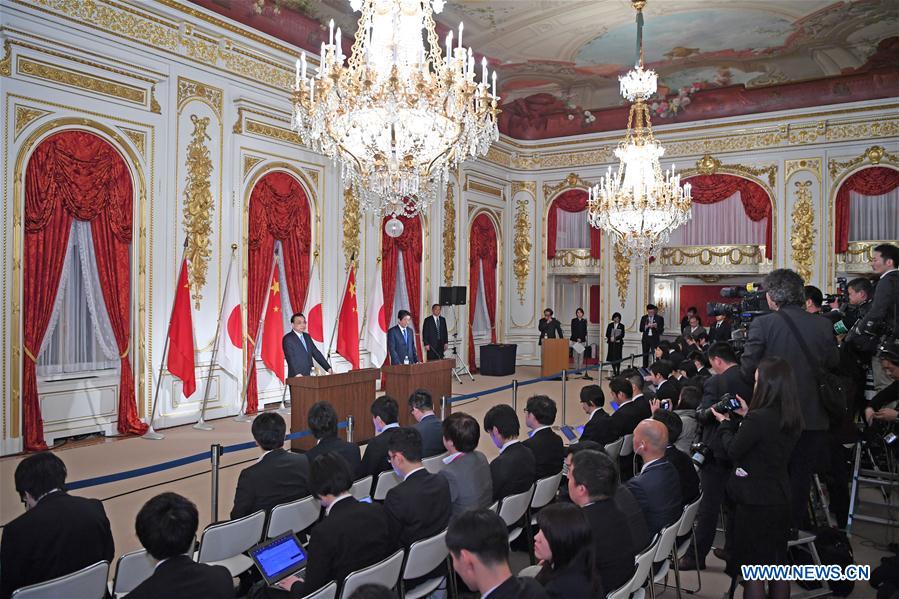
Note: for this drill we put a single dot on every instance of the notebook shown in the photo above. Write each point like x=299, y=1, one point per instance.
x=279, y=557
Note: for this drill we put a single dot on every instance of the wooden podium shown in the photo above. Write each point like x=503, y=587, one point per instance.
x=402, y=379
x=553, y=356
x=351, y=393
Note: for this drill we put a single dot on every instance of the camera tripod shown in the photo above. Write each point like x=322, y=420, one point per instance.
x=461, y=367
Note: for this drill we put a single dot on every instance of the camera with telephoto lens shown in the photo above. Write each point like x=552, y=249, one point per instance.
x=727, y=404
x=700, y=453
x=753, y=302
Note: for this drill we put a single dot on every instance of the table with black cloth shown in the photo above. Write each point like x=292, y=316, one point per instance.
x=498, y=359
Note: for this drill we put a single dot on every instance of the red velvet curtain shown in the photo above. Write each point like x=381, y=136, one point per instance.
x=76, y=175
x=711, y=189
x=481, y=253
x=595, y=316
x=573, y=200
x=410, y=244
x=699, y=296
x=873, y=181
x=279, y=211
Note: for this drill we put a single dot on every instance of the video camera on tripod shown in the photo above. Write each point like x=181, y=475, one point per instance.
x=752, y=303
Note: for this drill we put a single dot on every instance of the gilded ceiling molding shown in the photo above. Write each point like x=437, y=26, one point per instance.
x=706, y=256
x=449, y=235
x=26, y=115
x=189, y=89
x=709, y=165
x=528, y=186
x=521, y=264
x=813, y=165
x=572, y=181
x=622, y=273
x=138, y=138
x=351, y=220
x=6, y=61
x=272, y=132
x=80, y=80
x=874, y=155
x=802, y=236
x=249, y=162
x=198, y=206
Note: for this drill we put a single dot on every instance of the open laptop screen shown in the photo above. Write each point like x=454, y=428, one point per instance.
x=278, y=558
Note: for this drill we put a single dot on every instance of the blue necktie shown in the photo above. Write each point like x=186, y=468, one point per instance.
x=406, y=337
x=303, y=341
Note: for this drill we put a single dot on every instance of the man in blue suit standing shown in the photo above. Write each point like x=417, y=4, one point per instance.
x=401, y=340
x=299, y=349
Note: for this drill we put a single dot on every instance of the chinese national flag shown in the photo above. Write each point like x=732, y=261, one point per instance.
x=348, y=323
x=181, y=336
x=273, y=330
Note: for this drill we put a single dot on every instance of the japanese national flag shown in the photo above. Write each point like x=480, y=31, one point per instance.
x=376, y=323
x=230, y=342
x=313, y=307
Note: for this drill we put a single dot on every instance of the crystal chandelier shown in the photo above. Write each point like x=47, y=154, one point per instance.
x=398, y=116
x=638, y=204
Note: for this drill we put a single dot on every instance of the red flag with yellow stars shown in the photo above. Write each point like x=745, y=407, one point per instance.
x=273, y=330
x=180, y=360
x=348, y=323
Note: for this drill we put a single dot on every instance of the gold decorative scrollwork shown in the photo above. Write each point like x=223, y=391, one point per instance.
x=449, y=235
x=249, y=162
x=528, y=186
x=237, y=129
x=812, y=165
x=351, y=218
x=482, y=187
x=155, y=108
x=189, y=89
x=874, y=155
x=138, y=138
x=573, y=180
x=622, y=273
x=709, y=165
x=571, y=258
x=802, y=237
x=522, y=262
x=26, y=115
x=735, y=254
x=272, y=132
x=80, y=80
x=6, y=61
x=198, y=207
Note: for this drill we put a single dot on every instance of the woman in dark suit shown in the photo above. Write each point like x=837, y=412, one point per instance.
x=579, y=335
x=759, y=439
x=615, y=341
x=564, y=547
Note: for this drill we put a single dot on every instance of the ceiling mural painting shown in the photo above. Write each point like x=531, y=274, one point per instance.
x=559, y=60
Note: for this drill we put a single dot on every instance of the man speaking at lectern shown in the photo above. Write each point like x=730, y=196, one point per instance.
x=401, y=340
x=299, y=349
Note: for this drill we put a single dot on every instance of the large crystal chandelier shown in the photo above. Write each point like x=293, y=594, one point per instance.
x=398, y=115
x=638, y=204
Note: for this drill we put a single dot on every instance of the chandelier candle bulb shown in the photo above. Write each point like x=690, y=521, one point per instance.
x=494, y=84
x=461, y=25
x=330, y=33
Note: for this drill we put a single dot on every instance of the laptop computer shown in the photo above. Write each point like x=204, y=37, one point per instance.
x=572, y=433
x=279, y=557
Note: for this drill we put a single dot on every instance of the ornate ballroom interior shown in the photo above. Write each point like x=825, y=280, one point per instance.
x=174, y=122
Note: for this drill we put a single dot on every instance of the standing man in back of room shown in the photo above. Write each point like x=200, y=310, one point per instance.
x=434, y=334
x=651, y=326
x=401, y=340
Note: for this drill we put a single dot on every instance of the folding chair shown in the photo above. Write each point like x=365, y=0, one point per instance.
x=513, y=508
x=362, y=487
x=386, y=481
x=530, y=572
x=130, y=570
x=634, y=586
x=614, y=448
x=295, y=515
x=687, y=532
x=662, y=556
x=423, y=557
x=386, y=572
x=223, y=544
x=86, y=583
x=544, y=492
x=329, y=591
x=434, y=464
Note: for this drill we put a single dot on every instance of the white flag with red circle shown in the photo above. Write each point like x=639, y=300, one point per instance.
x=313, y=307
x=376, y=323
x=230, y=342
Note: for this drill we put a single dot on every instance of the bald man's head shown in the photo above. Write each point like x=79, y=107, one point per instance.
x=650, y=439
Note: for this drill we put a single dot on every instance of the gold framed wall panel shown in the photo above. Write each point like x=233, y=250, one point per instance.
x=94, y=84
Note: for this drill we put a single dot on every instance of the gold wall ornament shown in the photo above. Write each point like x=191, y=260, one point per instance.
x=351, y=219
x=812, y=165
x=138, y=138
x=188, y=90
x=80, y=80
x=249, y=162
x=522, y=247
x=449, y=235
x=709, y=165
x=25, y=115
x=708, y=255
x=874, y=155
x=474, y=184
x=313, y=174
x=528, y=186
x=802, y=236
x=198, y=206
x=622, y=273
x=573, y=180
x=272, y=132
x=237, y=129
x=6, y=61
x=155, y=108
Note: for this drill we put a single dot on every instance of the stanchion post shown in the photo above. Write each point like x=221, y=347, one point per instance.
x=350, y=423
x=216, y=455
x=515, y=395
x=442, y=408
x=564, y=393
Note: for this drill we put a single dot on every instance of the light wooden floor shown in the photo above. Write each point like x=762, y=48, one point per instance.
x=115, y=455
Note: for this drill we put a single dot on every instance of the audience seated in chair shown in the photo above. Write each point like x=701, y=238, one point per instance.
x=277, y=477
x=686, y=472
x=466, y=470
x=514, y=470
x=544, y=443
x=599, y=428
x=690, y=396
x=353, y=534
x=167, y=527
x=564, y=545
x=384, y=414
x=58, y=534
x=666, y=387
x=322, y=420
x=421, y=406
x=373, y=591
x=657, y=486
x=592, y=482
x=478, y=542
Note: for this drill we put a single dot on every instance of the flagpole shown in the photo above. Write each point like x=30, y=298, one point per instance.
x=201, y=423
x=243, y=417
x=152, y=435
x=340, y=307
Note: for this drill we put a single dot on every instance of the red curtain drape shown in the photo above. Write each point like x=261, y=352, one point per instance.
x=481, y=253
x=76, y=175
x=595, y=315
x=873, y=181
x=699, y=296
x=410, y=244
x=279, y=211
x=573, y=200
x=711, y=189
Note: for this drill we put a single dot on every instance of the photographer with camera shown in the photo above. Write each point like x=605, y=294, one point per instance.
x=726, y=383
x=881, y=414
x=759, y=487
x=882, y=320
x=807, y=340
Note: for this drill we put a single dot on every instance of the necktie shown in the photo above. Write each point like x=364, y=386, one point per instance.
x=406, y=337
x=303, y=341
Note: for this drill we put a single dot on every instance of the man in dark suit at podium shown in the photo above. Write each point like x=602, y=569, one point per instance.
x=651, y=326
x=434, y=334
x=549, y=327
x=401, y=340
x=300, y=350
